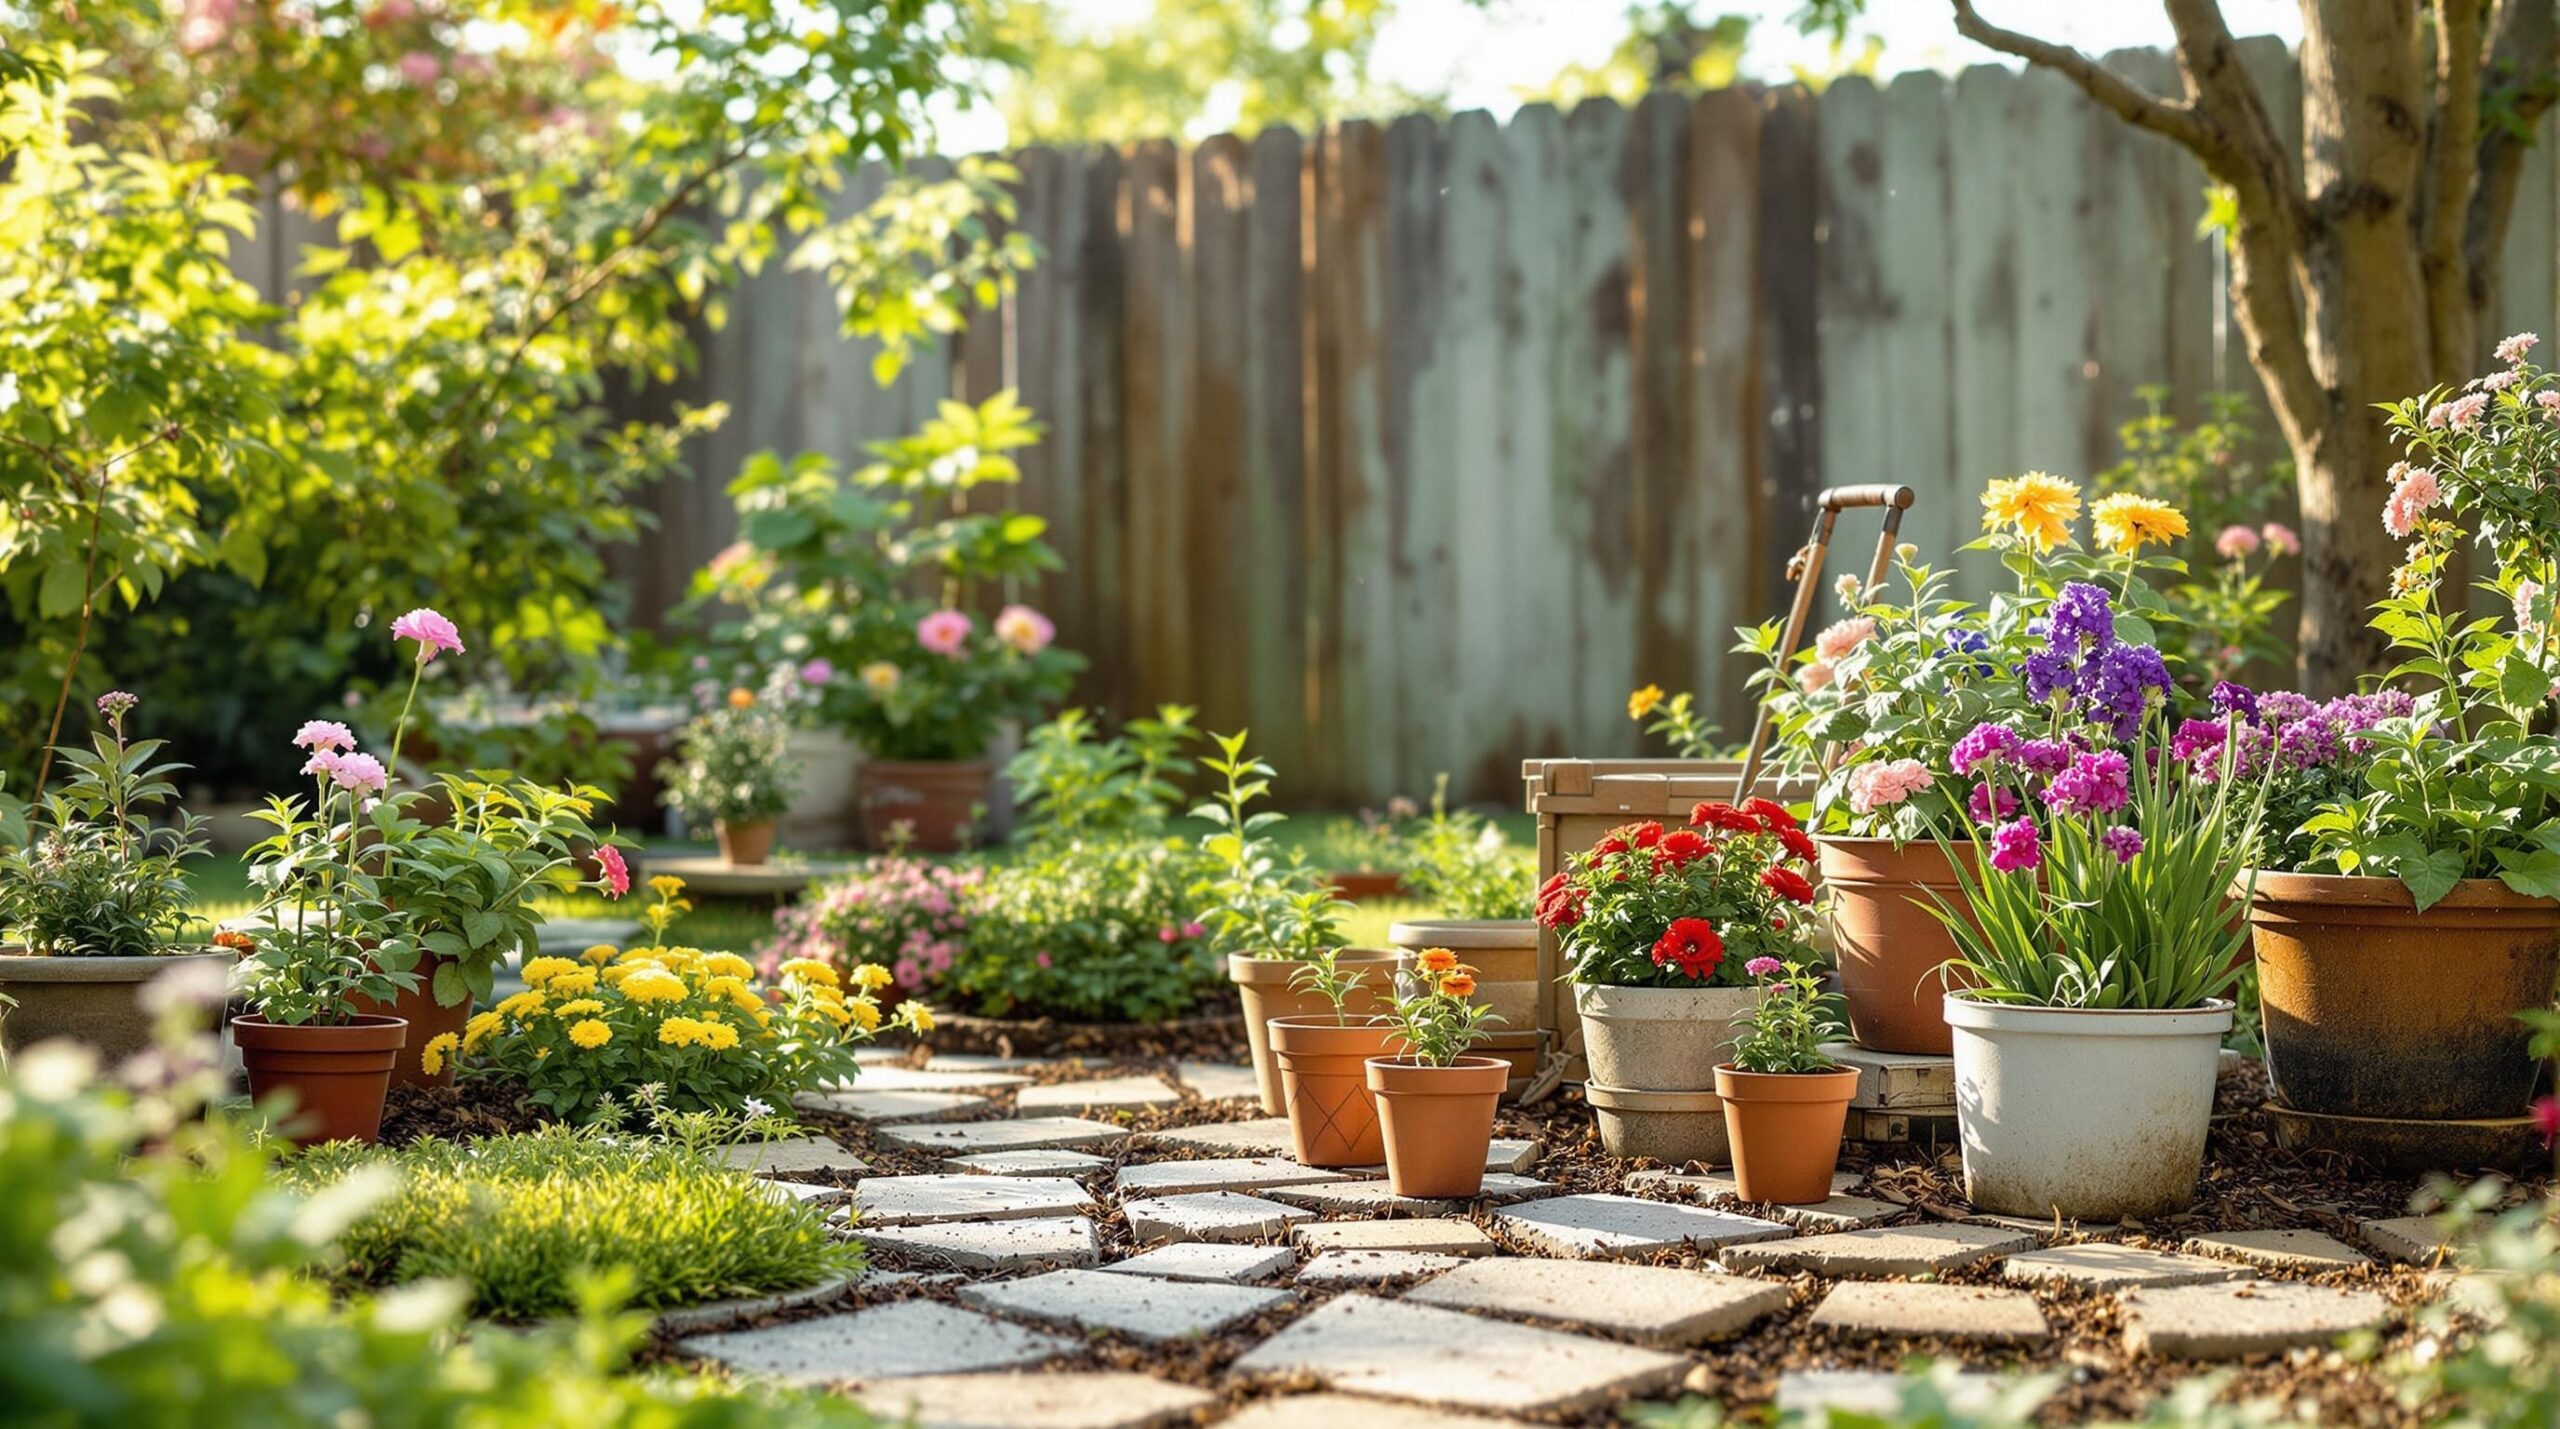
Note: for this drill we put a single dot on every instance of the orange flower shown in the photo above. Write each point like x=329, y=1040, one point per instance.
x=1438, y=960
x=741, y=697
x=1459, y=985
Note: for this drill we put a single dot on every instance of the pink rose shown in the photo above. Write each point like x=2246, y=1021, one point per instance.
x=432, y=631
x=359, y=772
x=944, y=632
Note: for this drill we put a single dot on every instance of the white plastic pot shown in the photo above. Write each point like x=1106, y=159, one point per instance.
x=2095, y=1116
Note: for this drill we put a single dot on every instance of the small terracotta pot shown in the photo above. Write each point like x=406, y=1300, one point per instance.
x=1889, y=940
x=337, y=1075
x=943, y=802
x=96, y=1001
x=1785, y=1130
x=1366, y=884
x=1268, y=988
x=1437, y=1122
x=744, y=845
x=427, y=1021
x=1323, y=1077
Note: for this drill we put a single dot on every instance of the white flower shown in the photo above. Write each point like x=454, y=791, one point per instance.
x=759, y=1107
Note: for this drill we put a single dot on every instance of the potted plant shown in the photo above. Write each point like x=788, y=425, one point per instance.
x=2101, y=944
x=1274, y=919
x=1785, y=1101
x=1323, y=1061
x=1658, y=926
x=1460, y=864
x=94, y=903
x=1876, y=706
x=732, y=767
x=1435, y=1103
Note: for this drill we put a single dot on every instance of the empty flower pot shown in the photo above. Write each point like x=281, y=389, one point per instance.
x=1670, y=1127
x=1504, y=953
x=1889, y=942
x=1324, y=1079
x=1268, y=987
x=1785, y=1128
x=943, y=802
x=336, y=1075
x=1437, y=1122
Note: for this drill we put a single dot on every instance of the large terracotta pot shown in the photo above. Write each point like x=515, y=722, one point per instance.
x=337, y=1076
x=1437, y=1123
x=744, y=845
x=1785, y=1128
x=96, y=1001
x=1504, y=953
x=1268, y=988
x=946, y=803
x=1324, y=1079
x=2374, y=1009
x=1889, y=941
x=426, y=1020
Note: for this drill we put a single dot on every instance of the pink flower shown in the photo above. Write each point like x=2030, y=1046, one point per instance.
x=1881, y=785
x=817, y=672
x=2459, y=413
x=433, y=632
x=2235, y=542
x=1168, y=934
x=2413, y=493
x=944, y=632
x=617, y=873
x=2016, y=847
x=2500, y=381
x=206, y=23
x=1817, y=676
x=2512, y=350
x=324, y=734
x=1024, y=629
x=1193, y=930
x=2548, y=401
x=361, y=772
x=1040, y=958
x=2281, y=538
x=1836, y=641
x=322, y=763
x=2546, y=1118
x=420, y=68
x=1764, y=967
x=2528, y=594
x=390, y=12
x=1989, y=804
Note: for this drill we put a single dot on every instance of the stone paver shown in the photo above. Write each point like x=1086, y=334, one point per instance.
x=1443, y=1236
x=921, y=1200
x=1028, y=1163
x=2282, y=1250
x=1708, y=1185
x=1108, y=1094
x=1334, y=1411
x=1839, y=1213
x=1139, y=1306
x=977, y=1062
x=1209, y=1261
x=1890, y=1309
x=909, y=1337
x=992, y=1245
x=1242, y=1173
x=1877, y=1254
x=1218, y=1081
x=1511, y=1156
x=1362, y=1198
x=719, y=1314
x=1400, y=1350
x=1030, y=1133
x=1876, y=1393
x=1650, y=1304
x=1576, y=1226
x=1034, y=1401
x=2410, y=1240
x=1209, y=1215
x=2117, y=1267
x=812, y=1191
x=868, y=1104
x=936, y=1078
x=1262, y=1136
x=796, y=1155
x=2221, y=1322
x=1373, y=1267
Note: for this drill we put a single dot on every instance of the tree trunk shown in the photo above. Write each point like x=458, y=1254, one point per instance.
x=2346, y=555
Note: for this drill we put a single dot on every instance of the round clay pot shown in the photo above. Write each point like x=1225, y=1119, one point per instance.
x=1674, y=1128
x=2091, y=1115
x=2376, y=1010
x=337, y=1075
x=1659, y=1039
x=1785, y=1128
x=1437, y=1122
x=1372, y=885
x=427, y=1021
x=1504, y=953
x=744, y=845
x=1324, y=1079
x=943, y=802
x=1889, y=942
x=1268, y=989
x=95, y=1001
x=1525, y=1051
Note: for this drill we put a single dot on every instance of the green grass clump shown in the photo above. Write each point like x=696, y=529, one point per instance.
x=522, y=1219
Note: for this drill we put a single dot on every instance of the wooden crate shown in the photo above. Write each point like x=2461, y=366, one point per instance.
x=1899, y=1081
x=1902, y=1128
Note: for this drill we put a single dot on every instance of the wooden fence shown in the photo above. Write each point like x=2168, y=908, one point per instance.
x=1418, y=445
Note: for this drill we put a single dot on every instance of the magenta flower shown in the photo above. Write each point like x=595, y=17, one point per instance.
x=1989, y=803
x=1985, y=745
x=617, y=874
x=2121, y=841
x=433, y=632
x=817, y=672
x=358, y=772
x=944, y=632
x=2096, y=783
x=1024, y=629
x=1764, y=967
x=2016, y=847
x=323, y=734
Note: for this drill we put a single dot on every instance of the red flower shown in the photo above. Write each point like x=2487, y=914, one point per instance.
x=1560, y=903
x=1800, y=844
x=1678, y=850
x=1692, y=945
x=1788, y=884
x=1723, y=816
x=2546, y=1119
x=1644, y=835
x=1609, y=843
x=1772, y=815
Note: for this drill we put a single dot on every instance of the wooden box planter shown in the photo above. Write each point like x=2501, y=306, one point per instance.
x=1577, y=801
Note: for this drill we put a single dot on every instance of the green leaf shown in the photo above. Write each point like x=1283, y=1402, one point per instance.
x=2430, y=876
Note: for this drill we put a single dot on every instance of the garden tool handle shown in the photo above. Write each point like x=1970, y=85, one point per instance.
x=1847, y=498
x=1805, y=567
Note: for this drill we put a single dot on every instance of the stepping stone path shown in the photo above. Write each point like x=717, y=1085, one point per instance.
x=1209, y=1261
x=919, y=1200
x=1374, y=1267
x=1209, y=1215
x=1218, y=1081
x=1034, y=1401
x=1840, y=1213
x=1398, y=1350
x=2410, y=1240
x=1510, y=1157
x=1028, y=1163
x=718, y=1314
x=2099, y=1267
x=2222, y=1322
x=992, y=1245
x=935, y=1078
x=1446, y=1236
x=2283, y=1250
x=1881, y=1254
x=1139, y=1306
x=1109, y=1094
x=885, y=1342
x=1262, y=1136
x=1649, y=1304
x=1709, y=1185
x=1896, y=1309
x=796, y=1155
x=1576, y=1226
x=1333, y=1411
x=804, y=1191
x=1251, y=1173
x=878, y=1106
x=1036, y=1133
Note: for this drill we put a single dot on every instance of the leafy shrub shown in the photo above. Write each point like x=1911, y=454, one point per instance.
x=732, y=762
x=520, y=1219
x=1098, y=932
x=913, y=915
x=1460, y=863
x=1070, y=785
x=98, y=879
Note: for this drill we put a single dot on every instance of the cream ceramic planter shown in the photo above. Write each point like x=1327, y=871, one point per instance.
x=1504, y=953
x=1659, y=1039
x=1674, y=1128
x=95, y=1001
x=2089, y=1115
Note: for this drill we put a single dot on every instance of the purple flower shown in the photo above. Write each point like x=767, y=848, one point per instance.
x=2083, y=619
x=2049, y=674
x=2123, y=687
x=2123, y=841
x=114, y=704
x=2277, y=706
x=1983, y=745
x=1989, y=803
x=1960, y=643
x=2046, y=757
x=2232, y=697
x=2196, y=737
x=2096, y=783
x=1763, y=967
x=2016, y=848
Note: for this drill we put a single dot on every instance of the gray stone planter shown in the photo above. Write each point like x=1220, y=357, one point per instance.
x=96, y=1001
x=1659, y=1039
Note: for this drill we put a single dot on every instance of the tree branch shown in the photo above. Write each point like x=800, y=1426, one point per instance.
x=2523, y=74
x=2131, y=103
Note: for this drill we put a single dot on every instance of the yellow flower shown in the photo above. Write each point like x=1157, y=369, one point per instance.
x=590, y=1034
x=614, y=973
x=879, y=677
x=542, y=970
x=871, y=977
x=680, y=1032
x=477, y=1030
x=2038, y=506
x=581, y=1007
x=719, y=1036
x=918, y=1016
x=523, y=1004
x=653, y=985
x=866, y=1013
x=810, y=970
x=600, y=954
x=822, y=992
x=2125, y=523
x=728, y=965
x=431, y=1057
x=666, y=885
x=575, y=983
x=1641, y=703
x=639, y=955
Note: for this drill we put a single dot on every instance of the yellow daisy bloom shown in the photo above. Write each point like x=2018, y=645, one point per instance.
x=810, y=970
x=2039, y=507
x=542, y=970
x=431, y=1058
x=523, y=1004
x=601, y=953
x=653, y=985
x=590, y=1034
x=2125, y=523
x=1642, y=702
x=579, y=1007
x=871, y=977
x=477, y=1030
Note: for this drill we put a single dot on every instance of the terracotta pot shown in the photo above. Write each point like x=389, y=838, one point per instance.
x=1785, y=1128
x=1504, y=953
x=427, y=1021
x=1372, y=885
x=1323, y=1077
x=1437, y=1122
x=95, y=1001
x=944, y=802
x=1889, y=941
x=2374, y=1009
x=337, y=1076
x=744, y=845
x=1268, y=989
